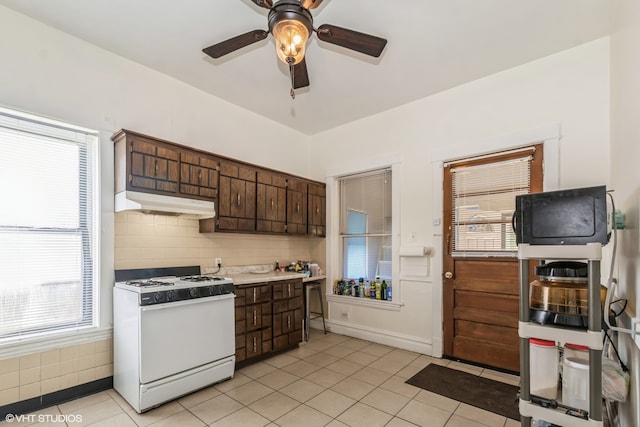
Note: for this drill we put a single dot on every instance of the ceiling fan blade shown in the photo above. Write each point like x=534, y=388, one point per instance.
x=310, y=4
x=300, y=75
x=263, y=3
x=235, y=43
x=354, y=40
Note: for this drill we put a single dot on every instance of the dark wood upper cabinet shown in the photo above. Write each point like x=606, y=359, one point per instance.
x=249, y=198
x=271, y=205
x=151, y=165
x=236, y=209
x=317, y=218
x=144, y=164
x=198, y=175
x=296, y=206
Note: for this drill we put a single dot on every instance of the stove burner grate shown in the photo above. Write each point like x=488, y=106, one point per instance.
x=145, y=283
x=200, y=278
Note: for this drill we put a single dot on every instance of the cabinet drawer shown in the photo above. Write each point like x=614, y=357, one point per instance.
x=287, y=289
x=257, y=294
x=294, y=303
x=241, y=327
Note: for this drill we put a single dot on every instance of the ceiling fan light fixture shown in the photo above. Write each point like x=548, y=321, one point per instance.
x=291, y=39
x=291, y=25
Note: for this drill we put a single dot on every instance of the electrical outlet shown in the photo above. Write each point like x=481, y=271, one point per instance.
x=413, y=236
x=218, y=262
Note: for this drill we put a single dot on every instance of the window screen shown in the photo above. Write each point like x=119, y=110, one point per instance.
x=47, y=226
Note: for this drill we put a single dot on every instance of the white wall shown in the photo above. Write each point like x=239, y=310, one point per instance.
x=50, y=73
x=625, y=176
x=568, y=90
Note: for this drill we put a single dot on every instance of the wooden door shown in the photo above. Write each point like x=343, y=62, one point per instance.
x=481, y=280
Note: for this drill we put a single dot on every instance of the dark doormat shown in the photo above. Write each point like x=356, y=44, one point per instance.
x=483, y=393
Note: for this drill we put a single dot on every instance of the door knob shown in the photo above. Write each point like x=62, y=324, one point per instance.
x=448, y=275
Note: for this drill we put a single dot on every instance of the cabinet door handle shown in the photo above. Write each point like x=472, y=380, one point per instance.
x=255, y=317
x=199, y=176
x=156, y=171
x=297, y=207
x=254, y=294
x=288, y=322
x=130, y=178
x=255, y=345
x=238, y=199
x=271, y=204
x=289, y=288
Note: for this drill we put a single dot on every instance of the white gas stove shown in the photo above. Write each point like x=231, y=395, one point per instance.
x=174, y=333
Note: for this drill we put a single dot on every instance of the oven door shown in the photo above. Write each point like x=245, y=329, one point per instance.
x=179, y=336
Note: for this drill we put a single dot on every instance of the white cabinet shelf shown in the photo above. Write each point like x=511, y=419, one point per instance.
x=591, y=337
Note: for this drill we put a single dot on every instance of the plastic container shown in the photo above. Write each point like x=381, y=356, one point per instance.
x=543, y=368
x=576, y=351
x=575, y=382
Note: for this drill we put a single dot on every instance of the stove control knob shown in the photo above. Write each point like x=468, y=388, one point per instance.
x=157, y=297
x=211, y=290
x=193, y=292
x=171, y=295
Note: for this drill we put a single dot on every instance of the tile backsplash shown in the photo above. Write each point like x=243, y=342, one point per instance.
x=37, y=374
x=151, y=240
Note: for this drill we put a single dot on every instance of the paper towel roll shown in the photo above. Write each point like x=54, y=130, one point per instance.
x=414, y=251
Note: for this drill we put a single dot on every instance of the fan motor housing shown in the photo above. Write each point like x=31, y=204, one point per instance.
x=290, y=9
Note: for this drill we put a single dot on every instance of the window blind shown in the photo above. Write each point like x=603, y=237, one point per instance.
x=365, y=224
x=483, y=197
x=48, y=229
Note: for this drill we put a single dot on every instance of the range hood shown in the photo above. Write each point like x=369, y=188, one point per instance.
x=156, y=203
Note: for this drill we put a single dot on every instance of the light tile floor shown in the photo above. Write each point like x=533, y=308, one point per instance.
x=331, y=380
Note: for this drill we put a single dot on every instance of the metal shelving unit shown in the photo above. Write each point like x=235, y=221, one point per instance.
x=592, y=337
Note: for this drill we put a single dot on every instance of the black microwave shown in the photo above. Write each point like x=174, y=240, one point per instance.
x=565, y=217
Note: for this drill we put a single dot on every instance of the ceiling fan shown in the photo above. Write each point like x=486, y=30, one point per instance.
x=291, y=25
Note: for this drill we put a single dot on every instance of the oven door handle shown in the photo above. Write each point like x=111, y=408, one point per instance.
x=204, y=300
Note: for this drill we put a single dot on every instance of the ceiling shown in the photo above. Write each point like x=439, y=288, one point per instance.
x=432, y=45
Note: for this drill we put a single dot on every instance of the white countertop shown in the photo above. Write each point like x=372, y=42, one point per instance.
x=249, y=278
x=248, y=274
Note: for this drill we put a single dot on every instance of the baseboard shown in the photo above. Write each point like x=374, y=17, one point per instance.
x=55, y=398
x=393, y=339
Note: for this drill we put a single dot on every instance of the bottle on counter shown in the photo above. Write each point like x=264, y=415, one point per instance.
x=378, y=288
x=389, y=292
x=383, y=290
x=360, y=292
x=277, y=266
x=372, y=290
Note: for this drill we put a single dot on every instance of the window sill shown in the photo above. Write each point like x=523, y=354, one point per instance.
x=45, y=342
x=368, y=302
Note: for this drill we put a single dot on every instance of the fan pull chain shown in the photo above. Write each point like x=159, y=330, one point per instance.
x=292, y=92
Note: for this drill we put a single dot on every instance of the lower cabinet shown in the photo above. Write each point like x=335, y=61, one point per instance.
x=287, y=314
x=268, y=318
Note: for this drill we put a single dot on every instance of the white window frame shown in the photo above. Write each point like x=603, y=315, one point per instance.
x=334, y=241
x=101, y=325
